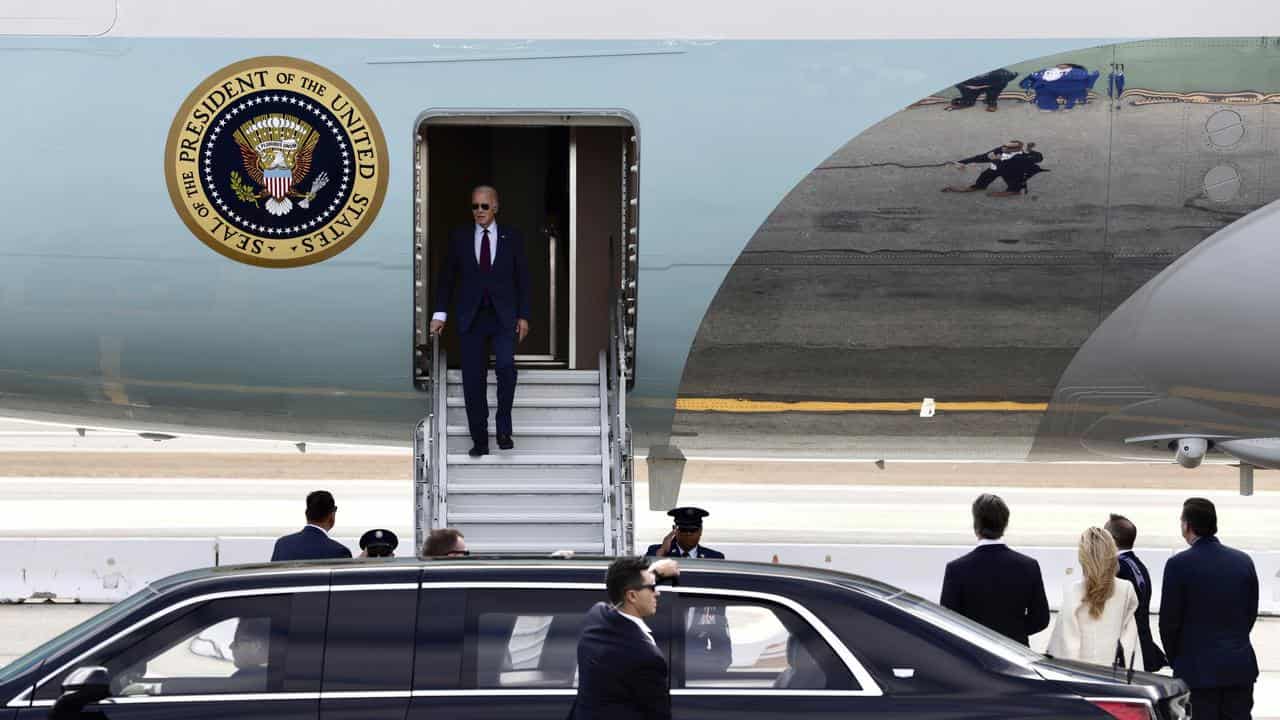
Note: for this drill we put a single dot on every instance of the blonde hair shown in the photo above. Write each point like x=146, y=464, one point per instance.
x=1098, y=560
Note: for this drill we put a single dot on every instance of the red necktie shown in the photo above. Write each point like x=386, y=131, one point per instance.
x=486, y=259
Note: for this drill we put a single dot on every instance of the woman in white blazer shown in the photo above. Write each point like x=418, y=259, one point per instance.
x=1097, y=611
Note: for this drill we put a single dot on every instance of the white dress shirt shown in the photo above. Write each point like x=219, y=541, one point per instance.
x=986, y=541
x=647, y=632
x=313, y=525
x=493, y=253
x=1079, y=636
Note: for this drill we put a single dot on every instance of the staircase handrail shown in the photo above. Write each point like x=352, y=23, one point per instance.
x=438, y=419
x=619, y=433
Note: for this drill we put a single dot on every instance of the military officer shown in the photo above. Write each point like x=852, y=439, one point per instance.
x=379, y=543
x=685, y=538
x=708, y=647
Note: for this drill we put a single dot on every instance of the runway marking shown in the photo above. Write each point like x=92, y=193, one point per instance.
x=739, y=405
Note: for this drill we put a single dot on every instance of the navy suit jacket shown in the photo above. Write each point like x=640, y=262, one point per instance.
x=621, y=675
x=309, y=543
x=507, y=282
x=1209, y=602
x=999, y=588
x=1131, y=568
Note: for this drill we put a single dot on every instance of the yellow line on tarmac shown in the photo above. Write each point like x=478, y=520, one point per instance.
x=737, y=405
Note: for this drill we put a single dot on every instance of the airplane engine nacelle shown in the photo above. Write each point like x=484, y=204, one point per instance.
x=1191, y=451
x=1259, y=452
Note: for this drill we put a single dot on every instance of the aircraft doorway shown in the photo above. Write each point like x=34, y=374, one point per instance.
x=561, y=183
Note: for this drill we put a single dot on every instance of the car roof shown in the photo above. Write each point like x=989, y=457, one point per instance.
x=266, y=570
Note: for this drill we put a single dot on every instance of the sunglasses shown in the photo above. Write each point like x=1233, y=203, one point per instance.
x=650, y=586
x=479, y=206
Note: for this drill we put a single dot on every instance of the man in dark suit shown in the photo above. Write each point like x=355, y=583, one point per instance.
x=685, y=538
x=313, y=542
x=1135, y=571
x=1208, y=605
x=488, y=265
x=992, y=84
x=994, y=585
x=1013, y=162
x=621, y=672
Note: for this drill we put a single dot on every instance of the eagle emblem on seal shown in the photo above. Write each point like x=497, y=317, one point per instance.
x=276, y=150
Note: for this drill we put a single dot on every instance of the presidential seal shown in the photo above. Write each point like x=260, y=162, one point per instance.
x=276, y=162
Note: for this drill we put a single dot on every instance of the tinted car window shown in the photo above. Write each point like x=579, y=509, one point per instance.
x=731, y=643
x=76, y=634
x=525, y=638
x=232, y=645
x=369, y=640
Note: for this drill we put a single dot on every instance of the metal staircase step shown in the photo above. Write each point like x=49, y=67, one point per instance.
x=540, y=402
x=521, y=518
x=533, y=416
x=499, y=459
x=526, y=445
x=532, y=507
x=469, y=474
x=524, y=488
x=539, y=377
x=535, y=391
x=491, y=537
x=533, y=430
x=485, y=546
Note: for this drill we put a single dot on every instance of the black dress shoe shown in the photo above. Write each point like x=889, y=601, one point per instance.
x=478, y=451
x=504, y=442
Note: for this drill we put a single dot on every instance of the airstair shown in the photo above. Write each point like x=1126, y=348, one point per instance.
x=567, y=484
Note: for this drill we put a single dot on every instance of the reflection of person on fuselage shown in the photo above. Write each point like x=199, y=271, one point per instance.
x=1014, y=162
x=991, y=84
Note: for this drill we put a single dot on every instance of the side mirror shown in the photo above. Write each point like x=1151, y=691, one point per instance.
x=84, y=686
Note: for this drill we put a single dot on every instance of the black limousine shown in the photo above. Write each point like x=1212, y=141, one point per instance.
x=496, y=638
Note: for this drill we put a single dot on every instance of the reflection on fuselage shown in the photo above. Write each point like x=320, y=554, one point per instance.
x=868, y=285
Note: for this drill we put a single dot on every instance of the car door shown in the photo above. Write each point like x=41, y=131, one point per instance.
x=237, y=655
x=368, y=650
x=518, y=651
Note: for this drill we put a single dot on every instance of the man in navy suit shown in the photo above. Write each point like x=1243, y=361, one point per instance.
x=1208, y=605
x=488, y=264
x=621, y=672
x=1135, y=571
x=994, y=585
x=313, y=542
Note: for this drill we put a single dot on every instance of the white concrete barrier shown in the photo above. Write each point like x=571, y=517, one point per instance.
x=94, y=569
x=108, y=569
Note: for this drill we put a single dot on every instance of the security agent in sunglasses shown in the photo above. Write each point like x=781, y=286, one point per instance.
x=486, y=263
x=621, y=672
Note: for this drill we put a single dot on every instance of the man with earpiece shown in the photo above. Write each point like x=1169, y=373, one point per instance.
x=622, y=674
